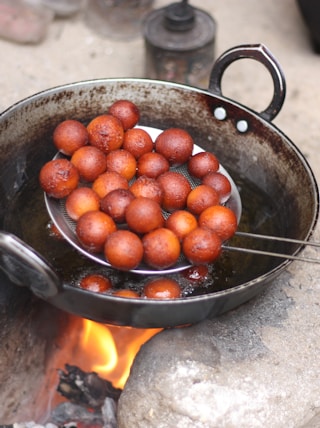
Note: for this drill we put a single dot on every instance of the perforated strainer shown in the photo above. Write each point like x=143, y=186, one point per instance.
x=66, y=226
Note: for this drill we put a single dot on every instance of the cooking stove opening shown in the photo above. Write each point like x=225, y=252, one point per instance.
x=85, y=372
x=88, y=371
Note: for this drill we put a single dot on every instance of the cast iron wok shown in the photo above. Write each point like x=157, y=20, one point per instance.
x=251, y=149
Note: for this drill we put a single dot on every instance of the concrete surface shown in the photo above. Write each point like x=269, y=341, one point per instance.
x=267, y=352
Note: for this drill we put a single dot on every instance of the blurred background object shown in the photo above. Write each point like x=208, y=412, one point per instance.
x=117, y=19
x=310, y=10
x=63, y=8
x=22, y=22
x=179, y=43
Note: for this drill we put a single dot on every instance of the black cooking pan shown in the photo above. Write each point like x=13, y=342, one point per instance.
x=277, y=187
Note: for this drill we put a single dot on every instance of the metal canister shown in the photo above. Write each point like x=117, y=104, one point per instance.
x=179, y=44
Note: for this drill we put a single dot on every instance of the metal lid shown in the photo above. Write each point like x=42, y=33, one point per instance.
x=179, y=16
x=179, y=27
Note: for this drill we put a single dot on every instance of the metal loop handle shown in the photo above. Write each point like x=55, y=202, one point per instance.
x=25, y=267
x=263, y=55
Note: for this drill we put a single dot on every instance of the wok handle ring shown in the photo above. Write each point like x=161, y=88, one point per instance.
x=262, y=54
x=25, y=267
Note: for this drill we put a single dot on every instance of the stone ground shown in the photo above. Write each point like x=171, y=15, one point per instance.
x=258, y=365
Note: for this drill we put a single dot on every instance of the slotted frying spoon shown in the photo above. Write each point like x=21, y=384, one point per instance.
x=66, y=226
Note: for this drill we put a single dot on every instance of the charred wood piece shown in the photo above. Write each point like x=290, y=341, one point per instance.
x=67, y=415
x=86, y=389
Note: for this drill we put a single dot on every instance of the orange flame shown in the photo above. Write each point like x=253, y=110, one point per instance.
x=112, y=350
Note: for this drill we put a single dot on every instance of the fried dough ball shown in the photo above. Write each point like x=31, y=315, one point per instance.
x=202, y=163
x=197, y=274
x=122, y=162
x=92, y=230
x=144, y=215
x=202, y=197
x=152, y=165
x=90, y=162
x=176, y=189
x=105, y=132
x=161, y=248
x=126, y=111
x=137, y=141
x=69, y=136
x=181, y=222
x=147, y=187
x=123, y=250
x=175, y=144
x=220, y=183
x=107, y=182
x=58, y=178
x=115, y=204
x=81, y=200
x=222, y=220
x=201, y=245
x=96, y=283
x=126, y=292
x=53, y=231
x=162, y=288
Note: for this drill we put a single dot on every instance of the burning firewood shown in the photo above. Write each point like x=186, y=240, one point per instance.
x=92, y=402
x=87, y=389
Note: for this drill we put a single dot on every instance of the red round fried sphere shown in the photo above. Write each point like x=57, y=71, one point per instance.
x=58, y=178
x=176, y=189
x=201, y=245
x=80, y=201
x=115, y=204
x=175, y=144
x=126, y=292
x=138, y=142
x=147, y=187
x=222, y=220
x=202, y=197
x=90, y=162
x=220, y=183
x=181, y=222
x=126, y=111
x=196, y=274
x=162, y=288
x=144, y=215
x=105, y=132
x=69, y=136
x=152, y=165
x=123, y=250
x=109, y=181
x=96, y=283
x=92, y=230
x=161, y=248
x=202, y=163
x=122, y=162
